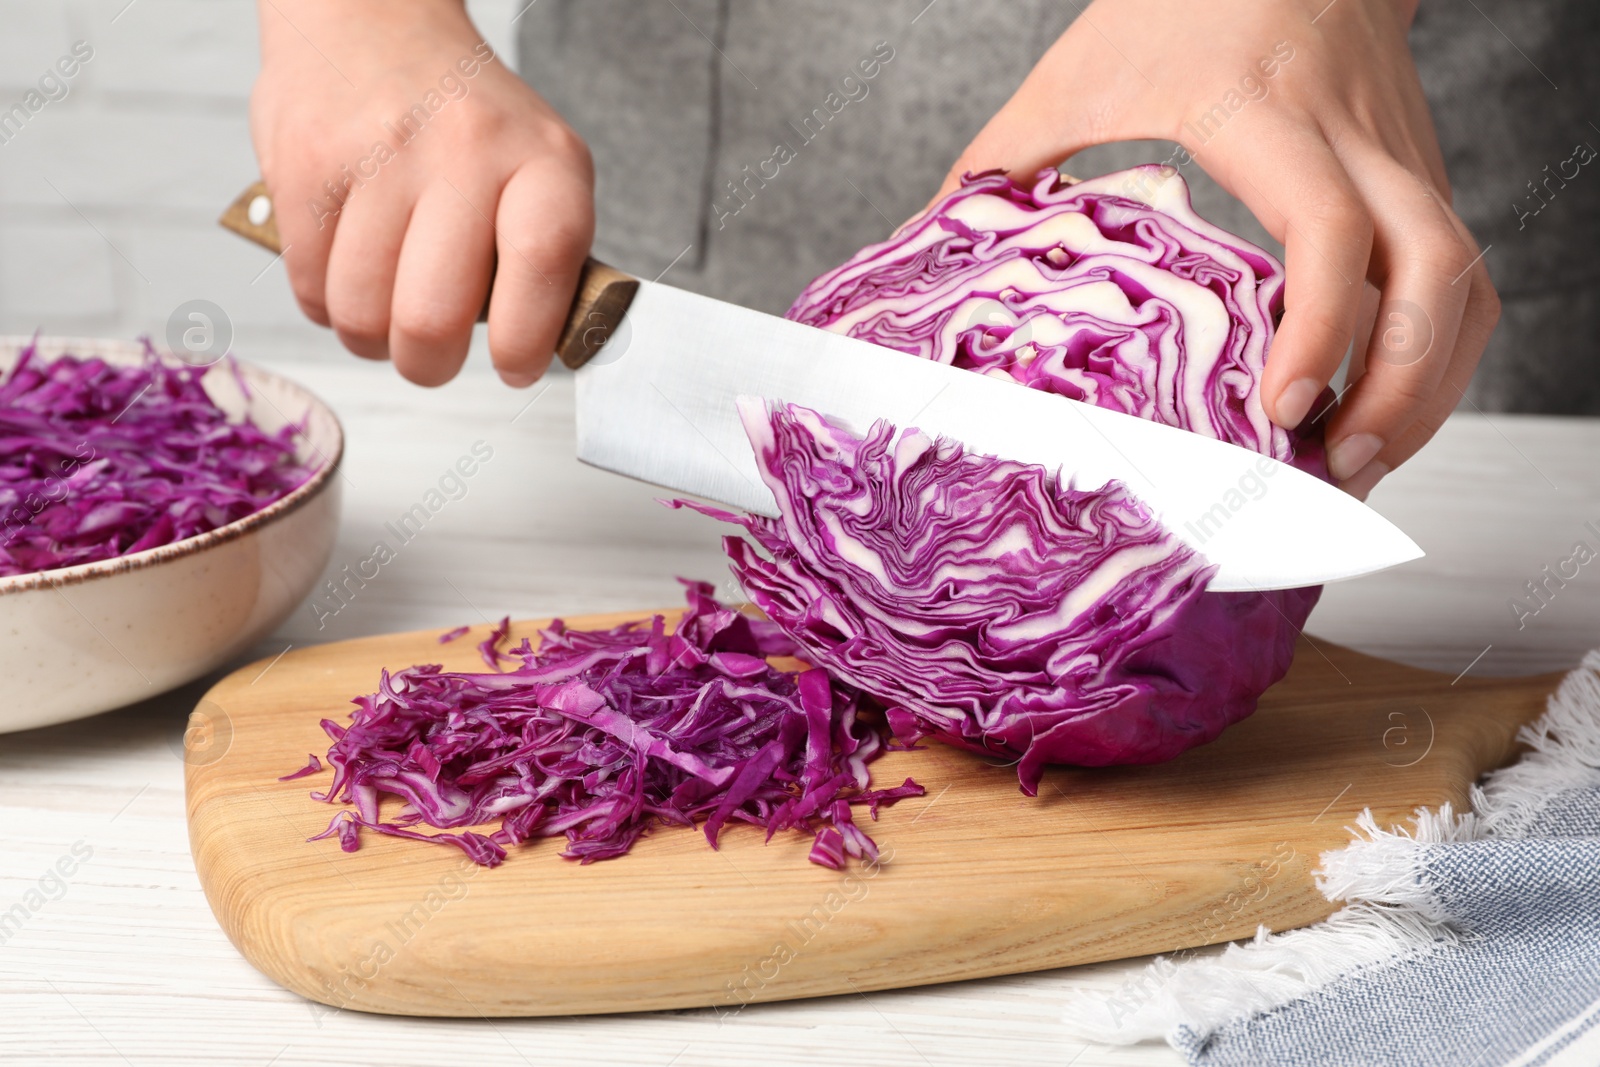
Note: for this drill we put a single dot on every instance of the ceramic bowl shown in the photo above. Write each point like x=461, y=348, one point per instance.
x=81, y=640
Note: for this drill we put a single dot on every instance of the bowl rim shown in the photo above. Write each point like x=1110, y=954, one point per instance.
x=188, y=546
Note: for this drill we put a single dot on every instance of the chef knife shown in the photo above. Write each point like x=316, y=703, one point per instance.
x=660, y=372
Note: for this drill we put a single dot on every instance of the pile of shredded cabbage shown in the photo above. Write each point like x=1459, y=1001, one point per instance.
x=596, y=736
x=99, y=460
x=982, y=602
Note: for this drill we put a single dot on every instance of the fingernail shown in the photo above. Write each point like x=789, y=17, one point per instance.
x=1348, y=456
x=1294, y=403
x=516, y=380
x=1360, y=484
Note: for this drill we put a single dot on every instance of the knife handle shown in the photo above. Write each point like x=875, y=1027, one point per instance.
x=603, y=296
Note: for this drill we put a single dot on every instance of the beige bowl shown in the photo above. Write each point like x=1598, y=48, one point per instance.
x=84, y=639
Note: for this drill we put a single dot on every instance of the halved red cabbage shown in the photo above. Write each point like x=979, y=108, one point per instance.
x=598, y=735
x=1111, y=291
x=992, y=607
x=980, y=601
x=99, y=460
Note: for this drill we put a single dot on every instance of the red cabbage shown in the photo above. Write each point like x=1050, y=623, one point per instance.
x=489, y=647
x=99, y=460
x=987, y=604
x=982, y=602
x=599, y=735
x=1136, y=305
x=313, y=765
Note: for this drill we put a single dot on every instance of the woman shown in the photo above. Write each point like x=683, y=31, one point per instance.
x=748, y=147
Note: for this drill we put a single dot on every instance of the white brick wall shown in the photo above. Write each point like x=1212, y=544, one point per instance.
x=34, y=35
x=109, y=196
x=57, y=272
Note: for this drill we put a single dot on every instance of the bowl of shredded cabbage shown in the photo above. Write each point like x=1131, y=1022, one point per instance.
x=157, y=519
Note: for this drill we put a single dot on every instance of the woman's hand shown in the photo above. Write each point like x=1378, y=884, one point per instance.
x=1311, y=113
x=409, y=166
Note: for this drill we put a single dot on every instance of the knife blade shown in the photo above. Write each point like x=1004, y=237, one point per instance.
x=660, y=372
x=659, y=403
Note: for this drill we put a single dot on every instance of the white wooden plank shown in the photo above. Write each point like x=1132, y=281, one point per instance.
x=126, y=964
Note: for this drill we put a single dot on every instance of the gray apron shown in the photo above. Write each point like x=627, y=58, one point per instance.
x=750, y=146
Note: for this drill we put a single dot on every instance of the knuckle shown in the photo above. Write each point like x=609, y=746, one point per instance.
x=1446, y=253
x=424, y=372
x=1407, y=392
x=1431, y=422
x=315, y=312
x=1339, y=211
x=514, y=349
x=311, y=301
x=1322, y=325
x=520, y=359
x=565, y=239
x=430, y=326
x=478, y=125
x=549, y=241
x=570, y=149
x=364, y=325
x=1487, y=306
x=357, y=311
x=551, y=247
x=366, y=348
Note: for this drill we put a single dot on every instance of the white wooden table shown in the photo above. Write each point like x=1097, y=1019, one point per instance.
x=123, y=963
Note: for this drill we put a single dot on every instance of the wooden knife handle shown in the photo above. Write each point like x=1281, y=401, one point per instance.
x=603, y=296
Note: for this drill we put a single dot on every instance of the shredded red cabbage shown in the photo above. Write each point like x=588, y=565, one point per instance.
x=99, y=460
x=312, y=767
x=599, y=735
x=489, y=647
x=451, y=635
x=983, y=603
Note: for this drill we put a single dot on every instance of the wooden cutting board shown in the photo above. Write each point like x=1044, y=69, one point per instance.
x=977, y=880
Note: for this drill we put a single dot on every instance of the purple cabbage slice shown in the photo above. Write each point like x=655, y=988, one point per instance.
x=99, y=460
x=982, y=602
x=1111, y=291
x=489, y=647
x=313, y=765
x=988, y=605
x=597, y=736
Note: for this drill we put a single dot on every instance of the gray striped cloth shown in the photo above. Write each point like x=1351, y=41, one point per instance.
x=1466, y=940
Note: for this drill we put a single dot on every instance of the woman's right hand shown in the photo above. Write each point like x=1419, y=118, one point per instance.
x=410, y=169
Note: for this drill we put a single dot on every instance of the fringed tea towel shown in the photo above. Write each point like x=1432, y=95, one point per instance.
x=1470, y=940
